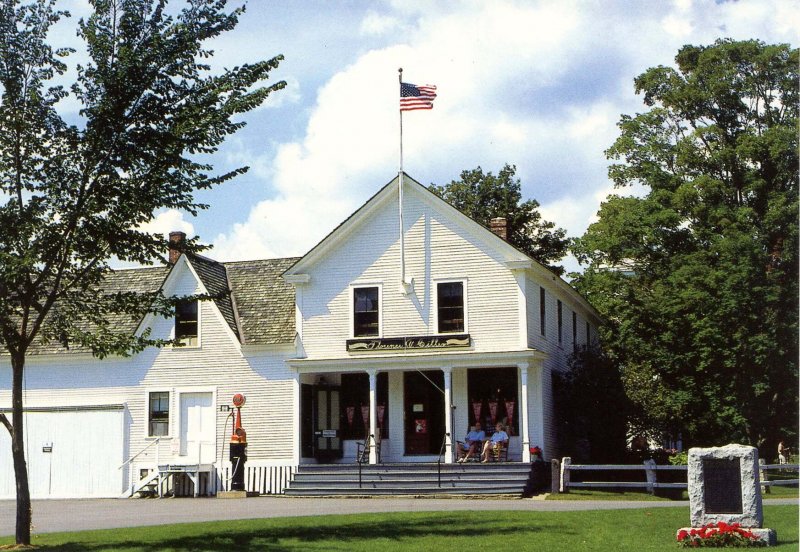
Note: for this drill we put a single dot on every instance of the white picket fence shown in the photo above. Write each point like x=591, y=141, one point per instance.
x=260, y=477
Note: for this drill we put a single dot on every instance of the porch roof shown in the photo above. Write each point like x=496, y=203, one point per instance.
x=416, y=361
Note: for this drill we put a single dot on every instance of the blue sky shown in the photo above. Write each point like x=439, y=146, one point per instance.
x=537, y=84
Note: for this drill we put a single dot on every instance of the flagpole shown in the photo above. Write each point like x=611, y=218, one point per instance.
x=403, y=285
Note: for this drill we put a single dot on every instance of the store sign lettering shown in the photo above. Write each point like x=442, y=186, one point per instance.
x=406, y=343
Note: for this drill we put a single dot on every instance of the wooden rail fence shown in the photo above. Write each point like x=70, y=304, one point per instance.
x=564, y=469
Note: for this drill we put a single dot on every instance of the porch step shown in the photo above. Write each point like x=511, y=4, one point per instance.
x=509, y=478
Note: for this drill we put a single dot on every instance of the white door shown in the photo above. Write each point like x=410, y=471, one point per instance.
x=197, y=427
x=70, y=454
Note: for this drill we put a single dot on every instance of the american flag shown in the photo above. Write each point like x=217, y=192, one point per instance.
x=416, y=97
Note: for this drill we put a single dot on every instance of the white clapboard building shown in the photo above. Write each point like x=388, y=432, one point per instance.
x=407, y=337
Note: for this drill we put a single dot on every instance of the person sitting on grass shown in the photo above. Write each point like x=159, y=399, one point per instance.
x=472, y=442
x=498, y=439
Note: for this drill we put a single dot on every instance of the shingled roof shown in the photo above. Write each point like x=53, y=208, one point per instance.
x=215, y=279
x=264, y=301
x=256, y=303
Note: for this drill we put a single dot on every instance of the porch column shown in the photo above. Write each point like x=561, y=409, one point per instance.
x=448, y=413
x=373, y=386
x=523, y=409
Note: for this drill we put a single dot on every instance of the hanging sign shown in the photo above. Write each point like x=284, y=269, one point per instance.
x=476, y=409
x=381, y=412
x=405, y=343
x=365, y=416
x=510, y=412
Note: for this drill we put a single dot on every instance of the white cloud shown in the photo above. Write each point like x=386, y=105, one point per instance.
x=540, y=85
x=378, y=24
x=677, y=26
x=168, y=221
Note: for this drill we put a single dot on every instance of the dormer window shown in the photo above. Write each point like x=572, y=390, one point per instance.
x=186, y=324
x=450, y=307
x=366, y=312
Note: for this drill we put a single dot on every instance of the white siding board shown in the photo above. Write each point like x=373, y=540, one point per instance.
x=217, y=364
x=436, y=248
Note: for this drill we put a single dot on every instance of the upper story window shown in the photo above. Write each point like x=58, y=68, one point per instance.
x=450, y=307
x=366, y=312
x=560, y=315
x=574, y=331
x=542, y=311
x=186, y=324
x=158, y=414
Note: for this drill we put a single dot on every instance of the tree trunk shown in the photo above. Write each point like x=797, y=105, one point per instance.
x=23, y=531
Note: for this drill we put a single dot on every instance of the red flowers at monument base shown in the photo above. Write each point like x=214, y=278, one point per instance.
x=719, y=534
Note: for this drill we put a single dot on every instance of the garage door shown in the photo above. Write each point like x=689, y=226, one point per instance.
x=71, y=453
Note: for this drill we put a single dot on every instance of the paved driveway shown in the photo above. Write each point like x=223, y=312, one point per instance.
x=78, y=515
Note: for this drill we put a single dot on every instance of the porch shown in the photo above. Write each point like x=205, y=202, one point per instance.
x=412, y=407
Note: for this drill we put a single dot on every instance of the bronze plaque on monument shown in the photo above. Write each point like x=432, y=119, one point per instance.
x=723, y=485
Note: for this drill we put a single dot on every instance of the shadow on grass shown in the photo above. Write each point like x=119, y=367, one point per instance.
x=382, y=533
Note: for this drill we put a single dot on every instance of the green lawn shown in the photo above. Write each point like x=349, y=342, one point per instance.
x=641, y=529
x=591, y=494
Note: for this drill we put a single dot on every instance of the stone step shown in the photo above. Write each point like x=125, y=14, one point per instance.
x=408, y=483
x=509, y=478
x=514, y=491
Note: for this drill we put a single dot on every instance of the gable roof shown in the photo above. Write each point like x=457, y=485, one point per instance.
x=215, y=279
x=255, y=302
x=515, y=257
x=386, y=193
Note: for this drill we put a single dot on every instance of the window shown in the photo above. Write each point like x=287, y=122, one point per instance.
x=366, y=312
x=574, y=331
x=158, y=414
x=186, y=323
x=450, y=307
x=542, y=312
x=588, y=335
x=560, y=321
x=354, y=405
x=493, y=398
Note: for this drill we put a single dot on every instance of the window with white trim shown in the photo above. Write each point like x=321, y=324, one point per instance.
x=542, y=311
x=366, y=311
x=560, y=314
x=158, y=413
x=450, y=308
x=186, y=324
x=574, y=331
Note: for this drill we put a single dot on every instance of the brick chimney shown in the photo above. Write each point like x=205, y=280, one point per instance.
x=176, y=243
x=499, y=226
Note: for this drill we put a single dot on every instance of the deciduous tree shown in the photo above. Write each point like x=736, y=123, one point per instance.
x=698, y=276
x=74, y=191
x=484, y=196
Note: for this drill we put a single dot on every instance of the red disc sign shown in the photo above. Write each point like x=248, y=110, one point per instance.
x=238, y=400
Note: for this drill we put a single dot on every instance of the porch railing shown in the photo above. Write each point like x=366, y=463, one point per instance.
x=363, y=453
x=135, y=456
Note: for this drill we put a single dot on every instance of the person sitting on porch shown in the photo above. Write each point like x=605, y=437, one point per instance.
x=498, y=439
x=472, y=442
